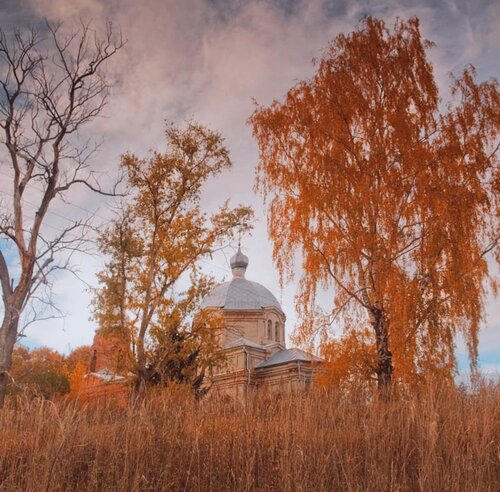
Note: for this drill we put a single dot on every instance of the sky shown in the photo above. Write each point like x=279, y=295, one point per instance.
x=210, y=60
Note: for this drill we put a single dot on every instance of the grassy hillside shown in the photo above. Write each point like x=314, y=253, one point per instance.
x=444, y=439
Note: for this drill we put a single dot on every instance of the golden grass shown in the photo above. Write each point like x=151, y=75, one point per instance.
x=443, y=439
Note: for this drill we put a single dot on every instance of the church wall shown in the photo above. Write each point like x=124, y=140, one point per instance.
x=236, y=359
x=253, y=325
x=108, y=352
x=293, y=376
x=96, y=390
x=281, y=379
x=273, y=317
x=241, y=327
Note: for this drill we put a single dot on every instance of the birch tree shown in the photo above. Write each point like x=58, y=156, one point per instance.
x=391, y=200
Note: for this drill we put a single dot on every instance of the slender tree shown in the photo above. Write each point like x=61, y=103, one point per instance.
x=154, y=246
x=392, y=201
x=51, y=86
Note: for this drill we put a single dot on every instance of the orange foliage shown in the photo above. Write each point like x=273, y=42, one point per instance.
x=38, y=372
x=76, y=380
x=391, y=202
x=78, y=355
x=348, y=360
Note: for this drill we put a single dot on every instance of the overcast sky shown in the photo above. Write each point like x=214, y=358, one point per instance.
x=208, y=60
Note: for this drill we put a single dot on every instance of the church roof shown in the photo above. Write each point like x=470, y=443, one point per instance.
x=108, y=376
x=289, y=355
x=239, y=260
x=240, y=293
x=239, y=342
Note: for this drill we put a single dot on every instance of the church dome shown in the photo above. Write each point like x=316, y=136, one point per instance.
x=239, y=260
x=240, y=293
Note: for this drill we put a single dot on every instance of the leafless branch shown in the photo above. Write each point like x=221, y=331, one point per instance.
x=50, y=87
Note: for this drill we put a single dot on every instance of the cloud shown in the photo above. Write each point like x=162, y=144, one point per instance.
x=59, y=10
x=207, y=59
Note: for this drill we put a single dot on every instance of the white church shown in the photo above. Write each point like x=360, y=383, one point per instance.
x=253, y=339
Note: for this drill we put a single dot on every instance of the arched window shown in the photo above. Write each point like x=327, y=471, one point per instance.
x=269, y=330
x=277, y=331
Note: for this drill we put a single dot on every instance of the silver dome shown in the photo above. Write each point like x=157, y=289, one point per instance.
x=240, y=293
x=239, y=260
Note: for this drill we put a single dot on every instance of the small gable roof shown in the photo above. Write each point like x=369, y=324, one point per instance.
x=107, y=376
x=243, y=342
x=289, y=355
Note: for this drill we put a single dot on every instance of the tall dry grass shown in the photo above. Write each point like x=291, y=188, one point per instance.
x=444, y=439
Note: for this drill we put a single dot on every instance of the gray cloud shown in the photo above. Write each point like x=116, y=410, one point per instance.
x=207, y=59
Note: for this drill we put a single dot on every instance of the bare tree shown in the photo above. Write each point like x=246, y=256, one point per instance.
x=51, y=84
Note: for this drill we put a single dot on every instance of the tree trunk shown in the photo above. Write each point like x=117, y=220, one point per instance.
x=384, y=355
x=8, y=335
x=140, y=368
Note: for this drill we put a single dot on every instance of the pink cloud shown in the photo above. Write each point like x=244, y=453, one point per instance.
x=184, y=59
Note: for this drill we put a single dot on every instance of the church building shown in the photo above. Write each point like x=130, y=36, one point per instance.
x=254, y=340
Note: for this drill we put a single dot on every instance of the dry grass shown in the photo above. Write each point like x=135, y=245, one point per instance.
x=442, y=440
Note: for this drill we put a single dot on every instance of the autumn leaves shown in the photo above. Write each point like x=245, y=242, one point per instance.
x=390, y=200
x=154, y=244
x=391, y=203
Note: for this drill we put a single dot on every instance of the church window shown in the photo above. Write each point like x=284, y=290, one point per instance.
x=269, y=330
x=277, y=331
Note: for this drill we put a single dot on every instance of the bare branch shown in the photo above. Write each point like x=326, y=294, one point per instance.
x=4, y=277
x=50, y=88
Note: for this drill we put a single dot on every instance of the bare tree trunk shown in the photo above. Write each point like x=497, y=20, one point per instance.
x=140, y=368
x=8, y=335
x=384, y=368
x=44, y=100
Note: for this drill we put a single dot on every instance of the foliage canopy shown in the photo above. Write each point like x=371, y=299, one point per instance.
x=152, y=285
x=391, y=200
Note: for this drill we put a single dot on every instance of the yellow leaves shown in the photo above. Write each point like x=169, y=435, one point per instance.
x=155, y=245
x=39, y=372
x=349, y=360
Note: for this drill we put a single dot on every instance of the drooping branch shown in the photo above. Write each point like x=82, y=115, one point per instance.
x=391, y=201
